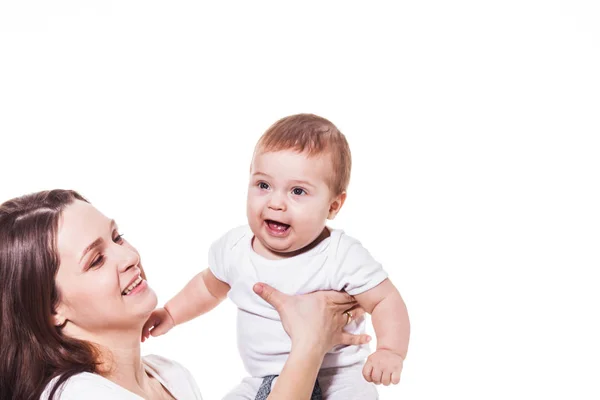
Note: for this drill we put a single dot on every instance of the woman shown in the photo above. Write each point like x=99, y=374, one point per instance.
x=74, y=299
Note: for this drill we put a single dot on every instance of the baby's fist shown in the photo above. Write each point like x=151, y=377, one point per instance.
x=383, y=367
x=159, y=323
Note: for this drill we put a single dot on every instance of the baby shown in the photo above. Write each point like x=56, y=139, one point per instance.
x=298, y=179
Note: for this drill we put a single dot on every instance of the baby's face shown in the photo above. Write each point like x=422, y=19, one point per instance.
x=288, y=200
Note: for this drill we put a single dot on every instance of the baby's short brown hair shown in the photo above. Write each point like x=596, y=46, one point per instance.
x=316, y=136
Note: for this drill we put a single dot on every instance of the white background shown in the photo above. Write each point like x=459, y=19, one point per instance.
x=473, y=127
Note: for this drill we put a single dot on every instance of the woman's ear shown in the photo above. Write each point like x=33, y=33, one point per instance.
x=58, y=322
x=336, y=205
x=58, y=318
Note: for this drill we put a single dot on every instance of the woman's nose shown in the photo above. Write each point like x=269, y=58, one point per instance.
x=127, y=258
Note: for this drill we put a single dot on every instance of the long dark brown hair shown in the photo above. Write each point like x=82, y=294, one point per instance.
x=33, y=350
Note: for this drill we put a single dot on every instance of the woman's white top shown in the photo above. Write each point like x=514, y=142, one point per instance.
x=173, y=376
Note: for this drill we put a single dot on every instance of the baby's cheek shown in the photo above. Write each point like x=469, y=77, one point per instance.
x=311, y=222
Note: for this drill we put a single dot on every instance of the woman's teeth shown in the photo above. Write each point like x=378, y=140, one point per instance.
x=132, y=286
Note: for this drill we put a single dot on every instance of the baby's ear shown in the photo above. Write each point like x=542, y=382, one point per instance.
x=336, y=205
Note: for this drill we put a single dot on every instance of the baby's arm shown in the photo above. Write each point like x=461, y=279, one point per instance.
x=392, y=328
x=203, y=293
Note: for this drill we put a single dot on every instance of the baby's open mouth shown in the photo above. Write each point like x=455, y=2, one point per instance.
x=277, y=226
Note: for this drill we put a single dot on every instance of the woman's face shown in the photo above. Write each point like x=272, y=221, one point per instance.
x=97, y=271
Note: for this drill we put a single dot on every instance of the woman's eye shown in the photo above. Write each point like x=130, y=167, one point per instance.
x=263, y=185
x=97, y=261
x=298, y=191
x=118, y=238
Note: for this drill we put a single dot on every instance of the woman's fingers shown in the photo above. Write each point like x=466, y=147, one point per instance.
x=355, y=340
x=315, y=318
x=357, y=312
x=341, y=298
x=341, y=308
x=269, y=294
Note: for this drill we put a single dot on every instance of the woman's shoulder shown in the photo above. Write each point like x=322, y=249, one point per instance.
x=90, y=386
x=163, y=364
x=84, y=385
x=177, y=378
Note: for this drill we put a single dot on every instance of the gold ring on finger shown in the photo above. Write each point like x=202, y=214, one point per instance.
x=349, y=316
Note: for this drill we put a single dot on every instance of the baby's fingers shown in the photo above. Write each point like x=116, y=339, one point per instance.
x=159, y=329
x=355, y=340
x=146, y=330
x=376, y=376
x=386, y=378
x=367, y=370
x=396, y=377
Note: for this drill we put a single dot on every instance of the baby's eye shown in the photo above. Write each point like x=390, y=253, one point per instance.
x=263, y=185
x=298, y=191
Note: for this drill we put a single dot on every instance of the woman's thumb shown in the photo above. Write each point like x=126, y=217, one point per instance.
x=269, y=294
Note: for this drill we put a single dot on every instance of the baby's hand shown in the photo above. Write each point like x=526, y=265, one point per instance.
x=383, y=367
x=159, y=323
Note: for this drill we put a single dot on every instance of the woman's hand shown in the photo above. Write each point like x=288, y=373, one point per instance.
x=315, y=321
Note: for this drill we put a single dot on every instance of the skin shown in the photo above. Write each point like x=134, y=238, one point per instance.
x=299, y=315
x=289, y=187
x=92, y=307
x=392, y=328
x=293, y=189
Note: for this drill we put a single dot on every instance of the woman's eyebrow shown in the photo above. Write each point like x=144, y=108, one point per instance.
x=91, y=246
x=96, y=242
